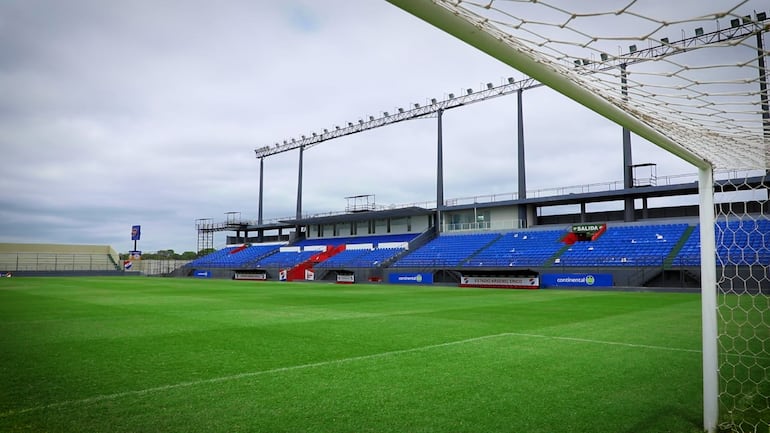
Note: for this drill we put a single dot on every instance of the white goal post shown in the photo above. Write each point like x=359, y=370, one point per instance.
x=702, y=98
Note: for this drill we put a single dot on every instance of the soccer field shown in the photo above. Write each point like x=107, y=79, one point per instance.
x=182, y=355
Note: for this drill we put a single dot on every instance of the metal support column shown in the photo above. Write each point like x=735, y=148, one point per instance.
x=439, y=173
x=628, y=173
x=299, y=188
x=522, y=174
x=261, y=181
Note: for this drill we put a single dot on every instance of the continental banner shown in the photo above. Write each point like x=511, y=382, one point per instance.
x=501, y=282
x=410, y=278
x=576, y=280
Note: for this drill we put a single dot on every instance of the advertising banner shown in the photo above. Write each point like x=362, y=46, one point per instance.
x=136, y=232
x=576, y=280
x=410, y=278
x=261, y=276
x=202, y=274
x=346, y=278
x=501, y=282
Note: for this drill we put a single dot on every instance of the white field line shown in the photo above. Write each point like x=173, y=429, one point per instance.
x=141, y=392
x=609, y=343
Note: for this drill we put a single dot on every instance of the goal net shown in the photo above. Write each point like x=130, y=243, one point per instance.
x=689, y=77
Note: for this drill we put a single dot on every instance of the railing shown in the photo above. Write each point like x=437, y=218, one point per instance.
x=55, y=262
x=483, y=226
x=617, y=185
x=159, y=267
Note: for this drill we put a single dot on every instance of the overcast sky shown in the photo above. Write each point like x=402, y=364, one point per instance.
x=116, y=113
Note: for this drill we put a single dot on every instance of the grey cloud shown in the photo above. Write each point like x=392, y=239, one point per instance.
x=121, y=113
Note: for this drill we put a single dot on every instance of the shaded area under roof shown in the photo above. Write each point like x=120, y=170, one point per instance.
x=362, y=216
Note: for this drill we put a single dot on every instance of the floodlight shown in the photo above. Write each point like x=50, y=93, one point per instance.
x=577, y=63
x=371, y=118
x=433, y=101
x=761, y=16
x=604, y=57
x=664, y=40
x=747, y=19
x=735, y=22
x=451, y=96
x=416, y=105
x=400, y=110
x=632, y=48
x=386, y=114
x=511, y=80
x=489, y=85
x=469, y=91
x=699, y=31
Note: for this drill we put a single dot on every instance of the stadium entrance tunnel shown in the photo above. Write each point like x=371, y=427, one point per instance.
x=682, y=278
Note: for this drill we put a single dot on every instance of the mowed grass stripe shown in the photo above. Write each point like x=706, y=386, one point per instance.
x=268, y=350
x=328, y=363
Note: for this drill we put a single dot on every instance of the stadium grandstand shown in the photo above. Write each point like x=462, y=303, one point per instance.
x=58, y=259
x=498, y=241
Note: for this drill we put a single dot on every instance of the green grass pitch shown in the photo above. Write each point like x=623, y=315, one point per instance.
x=182, y=355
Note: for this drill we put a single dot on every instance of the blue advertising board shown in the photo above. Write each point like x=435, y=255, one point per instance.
x=136, y=233
x=576, y=280
x=410, y=278
x=202, y=274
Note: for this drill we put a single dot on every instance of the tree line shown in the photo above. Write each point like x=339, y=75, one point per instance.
x=171, y=255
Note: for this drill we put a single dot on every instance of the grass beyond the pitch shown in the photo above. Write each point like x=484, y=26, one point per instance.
x=181, y=355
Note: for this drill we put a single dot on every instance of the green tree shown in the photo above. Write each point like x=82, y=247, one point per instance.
x=188, y=255
x=206, y=251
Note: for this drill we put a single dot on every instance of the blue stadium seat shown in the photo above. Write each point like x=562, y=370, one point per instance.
x=738, y=242
x=637, y=245
x=522, y=248
x=446, y=250
x=227, y=258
